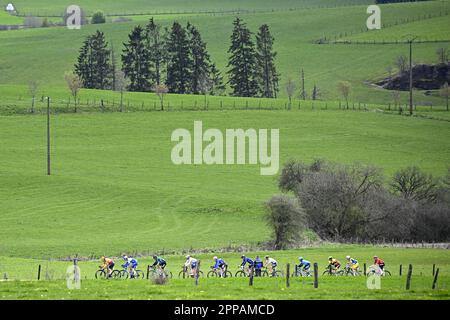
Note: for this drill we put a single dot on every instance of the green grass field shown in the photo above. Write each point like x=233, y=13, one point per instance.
x=114, y=188
x=110, y=168
x=22, y=275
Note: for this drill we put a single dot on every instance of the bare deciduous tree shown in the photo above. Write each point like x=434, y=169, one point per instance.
x=396, y=97
x=442, y=54
x=444, y=92
x=74, y=83
x=161, y=90
x=344, y=88
x=290, y=90
x=120, y=85
x=33, y=87
x=412, y=183
x=402, y=64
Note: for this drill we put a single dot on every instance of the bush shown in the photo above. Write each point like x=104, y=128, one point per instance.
x=98, y=18
x=287, y=219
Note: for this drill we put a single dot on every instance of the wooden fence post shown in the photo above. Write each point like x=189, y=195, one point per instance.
x=287, y=274
x=365, y=268
x=197, y=273
x=435, y=279
x=400, y=271
x=316, y=275
x=39, y=272
x=434, y=268
x=250, y=282
x=408, y=278
x=148, y=271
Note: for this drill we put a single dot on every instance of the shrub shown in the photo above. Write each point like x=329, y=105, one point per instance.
x=98, y=18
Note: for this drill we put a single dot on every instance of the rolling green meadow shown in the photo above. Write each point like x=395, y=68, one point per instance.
x=114, y=188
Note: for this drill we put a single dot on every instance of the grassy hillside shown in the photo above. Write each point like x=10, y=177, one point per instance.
x=115, y=188
x=30, y=53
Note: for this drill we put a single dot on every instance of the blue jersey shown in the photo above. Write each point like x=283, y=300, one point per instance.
x=258, y=264
x=219, y=264
x=247, y=260
x=133, y=262
x=353, y=261
x=305, y=264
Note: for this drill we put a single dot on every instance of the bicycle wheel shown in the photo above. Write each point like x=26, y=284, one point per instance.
x=228, y=274
x=182, y=274
x=140, y=274
x=124, y=274
x=264, y=273
x=115, y=274
x=100, y=274
x=326, y=273
x=240, y=274
x=278, y=273
x=211, y=274
x=387, y=273
x=168, y=274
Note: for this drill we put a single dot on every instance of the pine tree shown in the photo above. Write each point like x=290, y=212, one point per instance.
x=242, y=61
x=218, y=87
x=93, y=66
x=179, y=61
x=267, y=75
x=201, y=64
x=113, y=68
x=155, y=47
x=135, y=62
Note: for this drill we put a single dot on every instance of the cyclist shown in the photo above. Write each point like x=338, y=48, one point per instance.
x=378, y=262
x=160, y=262
x=131, y=264
x=246, y=260
x=334, y=264
x=191, y=264
x=258, y=266
x=107, y=265
x=271, y=264
x=352, y=263
x=305, y=264
x=220, y=265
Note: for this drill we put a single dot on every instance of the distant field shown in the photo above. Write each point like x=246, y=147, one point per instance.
x=113, y=168
x=27, y=53
x=237, y=288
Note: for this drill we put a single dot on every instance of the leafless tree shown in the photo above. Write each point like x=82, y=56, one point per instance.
x=444, y=92
x=402, y=63
x=396, y=97
x=120, y=85
x=442, y=54
x=161, y=90
x=33, y=87
x=290, y=90
x=413, y=183
x=74, y=83
x=344, y=88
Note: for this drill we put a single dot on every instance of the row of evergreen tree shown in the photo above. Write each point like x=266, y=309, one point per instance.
x=178, y=58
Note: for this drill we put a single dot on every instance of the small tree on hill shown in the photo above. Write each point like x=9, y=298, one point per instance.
x=344, y=88
x=74, y=84
x=290, y=90
x=33, y=87
x=98, y=18
x=120, y=85
x=442, y=54
x=444, y=92
x=161, y=90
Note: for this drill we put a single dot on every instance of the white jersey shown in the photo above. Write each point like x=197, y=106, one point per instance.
x=189, y=262
x=271, y=261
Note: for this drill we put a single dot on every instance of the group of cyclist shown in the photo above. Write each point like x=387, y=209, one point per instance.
x=220, y=266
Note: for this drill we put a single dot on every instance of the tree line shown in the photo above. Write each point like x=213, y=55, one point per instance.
x=176, y=60
x=344, y=202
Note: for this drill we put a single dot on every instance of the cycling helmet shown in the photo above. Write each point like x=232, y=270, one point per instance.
x=125, y=257
x=267, y=257
x=330, y=258
x=187, y=257
x=347, y=257
x=375, y=257
x=243, y=257
x=215, y=258
x=300, y=259
x=154, y=257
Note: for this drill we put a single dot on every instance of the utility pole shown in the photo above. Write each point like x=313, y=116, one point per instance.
x=410, y=40
x=48, y=137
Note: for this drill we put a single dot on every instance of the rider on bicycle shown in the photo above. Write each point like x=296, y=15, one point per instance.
x=107, y=265
x=246, y=260
x=220, y=265
x=271, y=264
x=130, y=263
x=305, y=264
x=378, y=262
x=258, y=266
x=334, y=264
x=191, y=263
x=160, y=262
x=352, y=263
